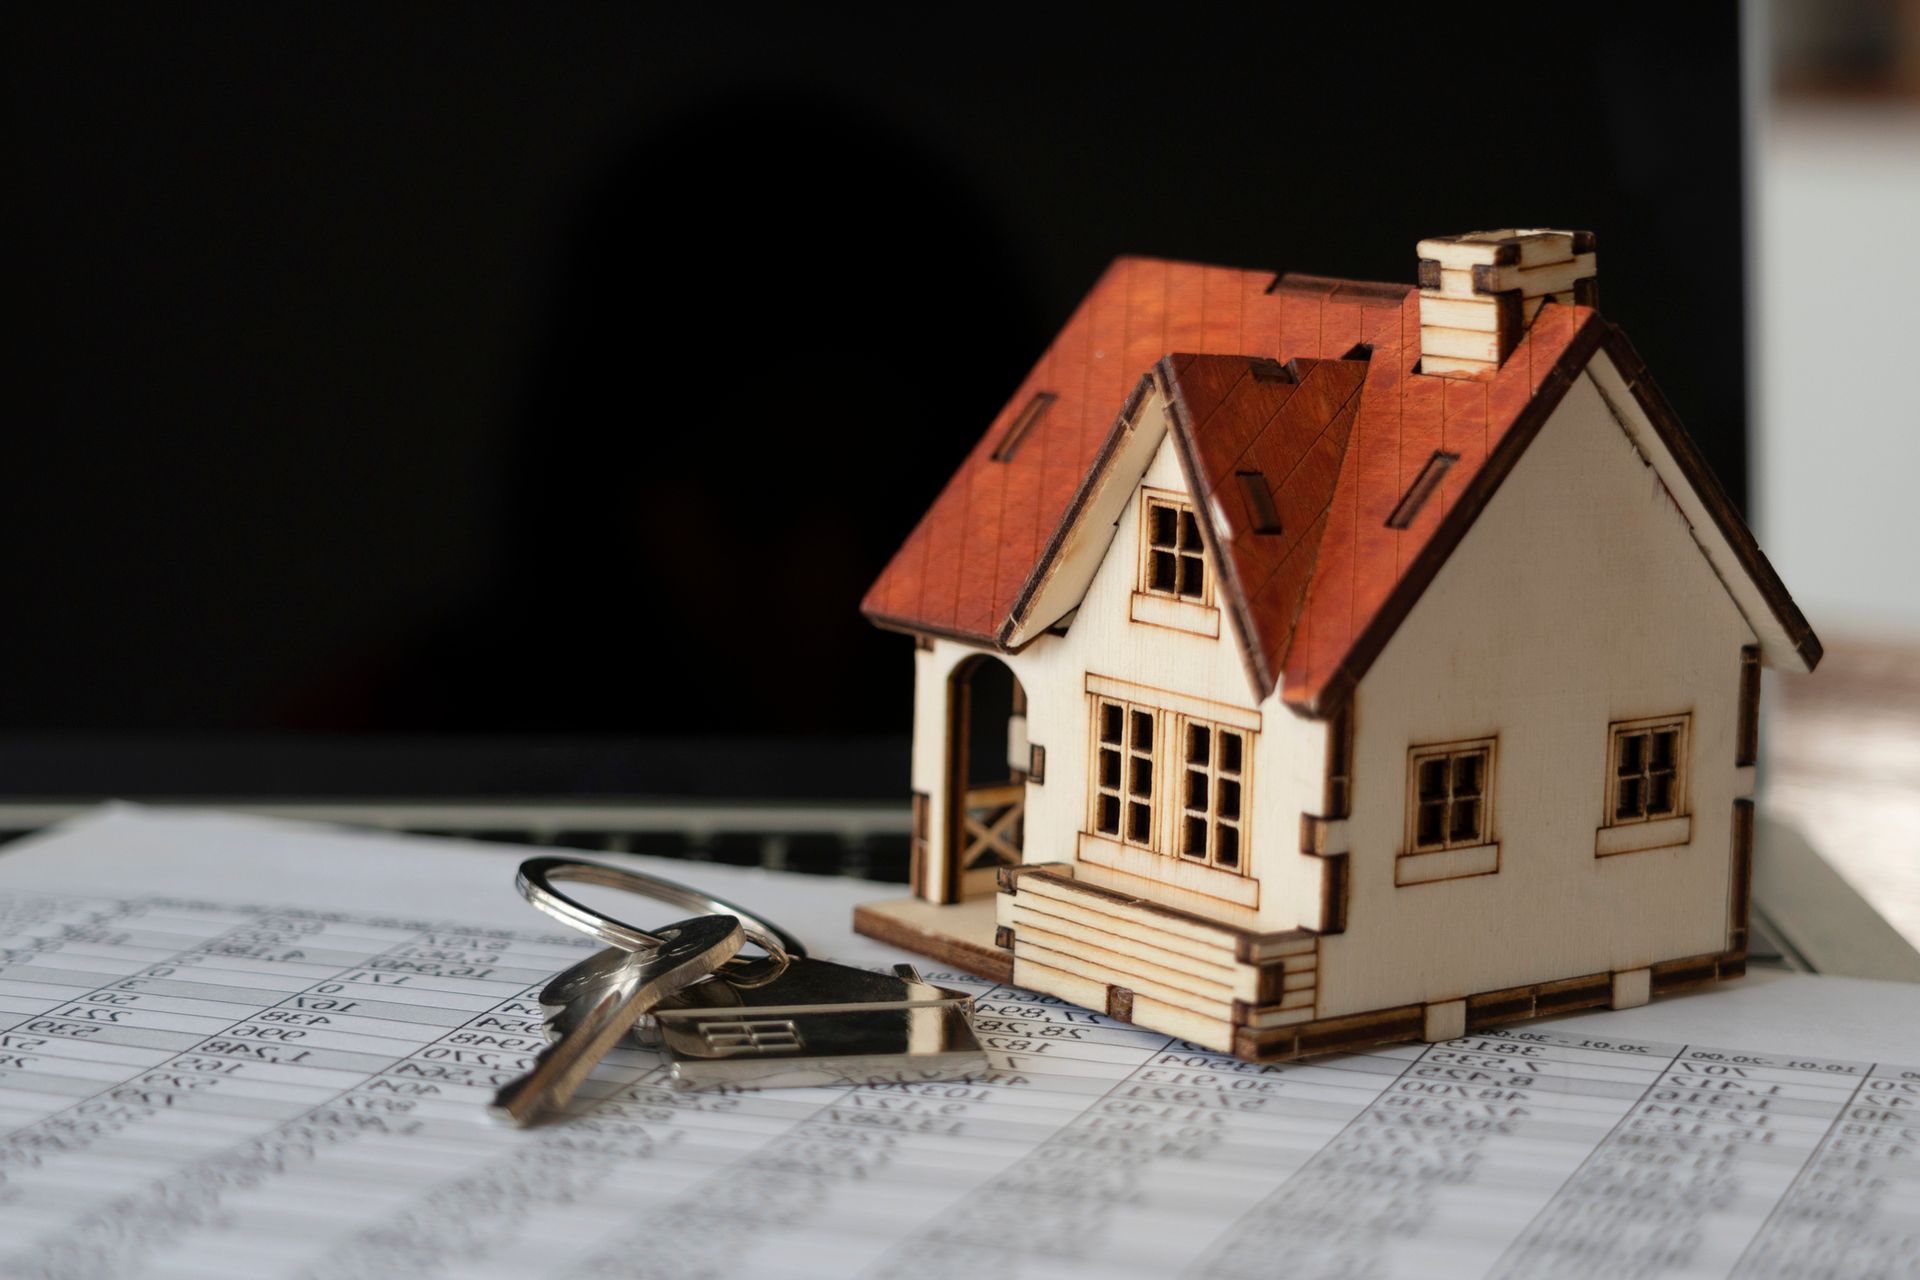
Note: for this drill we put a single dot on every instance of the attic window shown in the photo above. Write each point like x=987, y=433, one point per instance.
x=1422, y=488
x=1172, y=563
x=1028, y=417
x=1253, y=486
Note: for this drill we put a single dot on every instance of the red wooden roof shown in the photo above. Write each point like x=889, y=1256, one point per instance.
x=964, y=565
x=1283, y=429
x=1337, y=442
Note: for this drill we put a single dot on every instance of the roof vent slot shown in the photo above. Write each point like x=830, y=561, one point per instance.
x=1359, y=351
x=1253, y=486
x=1422, y=488
x=1028, y=418
x=1265, y=370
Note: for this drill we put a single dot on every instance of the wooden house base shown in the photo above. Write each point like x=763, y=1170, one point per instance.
x=1222, y=988
x=959, y=934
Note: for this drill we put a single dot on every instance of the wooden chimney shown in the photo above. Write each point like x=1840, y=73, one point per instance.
x=1480, y=291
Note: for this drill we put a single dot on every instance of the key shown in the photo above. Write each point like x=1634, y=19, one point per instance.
x=627, y=989
x=812, y=1022
x=570, y=996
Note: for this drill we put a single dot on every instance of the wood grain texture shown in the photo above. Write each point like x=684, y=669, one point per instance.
x=1369, y=575
x=1536, y=630
x=1275, y=1021
x=960, y=935
x=1748, y=562
x=1740, y=882
x=1747, y=739
x=1483, y=1009
x=1232, y=431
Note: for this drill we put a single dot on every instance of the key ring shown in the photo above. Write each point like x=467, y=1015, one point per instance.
x=535, y=882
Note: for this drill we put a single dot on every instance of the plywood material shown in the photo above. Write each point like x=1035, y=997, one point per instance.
x=1632, y=988
x=1446, y=864
x=961, y=935
x=1640, y=836
x=1375, y=553
x=1111, y=969
x=1510, y=247
x=1196, y=934
x=1202, y=972
x=1480, y=292
x=1578, y=600
x=1175, y=881
x=1446, y=1020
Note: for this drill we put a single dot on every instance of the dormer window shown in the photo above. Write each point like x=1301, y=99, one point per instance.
x=1173, y=564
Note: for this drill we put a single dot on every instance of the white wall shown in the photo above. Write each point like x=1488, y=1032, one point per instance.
x=1577, y=599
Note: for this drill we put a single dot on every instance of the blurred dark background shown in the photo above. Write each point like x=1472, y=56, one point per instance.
x=457, y=398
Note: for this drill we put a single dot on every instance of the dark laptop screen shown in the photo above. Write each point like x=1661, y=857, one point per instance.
x=441, y=401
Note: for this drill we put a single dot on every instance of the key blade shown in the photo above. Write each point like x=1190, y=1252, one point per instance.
x=562, y=1065
x=522, y=1099
x=689, y=951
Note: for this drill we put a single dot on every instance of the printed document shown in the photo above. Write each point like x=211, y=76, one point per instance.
x=230, y=1047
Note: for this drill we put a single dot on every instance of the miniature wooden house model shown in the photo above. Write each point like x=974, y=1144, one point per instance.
x=1303, y=663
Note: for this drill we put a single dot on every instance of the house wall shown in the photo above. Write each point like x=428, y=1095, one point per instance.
x=1578, y=598
x=1288, y=753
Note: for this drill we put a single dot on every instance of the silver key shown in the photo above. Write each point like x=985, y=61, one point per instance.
x=688, y=952
x=571, y=995
x=809, y=1022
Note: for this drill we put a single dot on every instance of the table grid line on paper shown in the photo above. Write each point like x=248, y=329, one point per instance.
x=231, y=1117
x=1514, y=1248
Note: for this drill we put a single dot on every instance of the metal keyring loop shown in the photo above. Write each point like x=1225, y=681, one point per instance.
x=535, y=882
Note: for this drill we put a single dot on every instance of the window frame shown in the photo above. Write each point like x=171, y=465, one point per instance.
x=1122, y=789
x=1483, y=833
x=1186, y=515
x=1681, y=771
x=1168, y=772
x=1217, y=779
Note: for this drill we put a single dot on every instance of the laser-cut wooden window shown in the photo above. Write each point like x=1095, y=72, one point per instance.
x=1648, y=774
x=1214, y=762
x=1125, y=742
x=1172, y=563
x=1450, y=796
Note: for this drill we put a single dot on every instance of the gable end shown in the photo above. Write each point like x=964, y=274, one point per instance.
x=1338, y=687
x=1791, y=630
x=1803, y=649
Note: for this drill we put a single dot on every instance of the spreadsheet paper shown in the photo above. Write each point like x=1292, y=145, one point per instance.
x=230, y=1047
